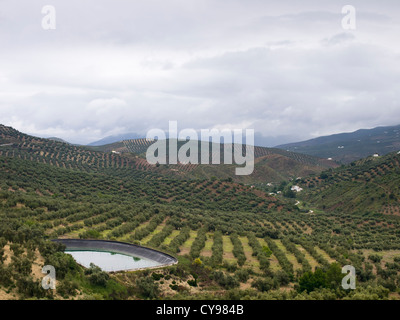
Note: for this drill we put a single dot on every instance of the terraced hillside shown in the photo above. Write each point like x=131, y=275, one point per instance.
x=368, y=185
x=271, y=164
x=242, y=248
x=348, y=147
x=118, y=158
x=41, y=179
x=231, y=240
x=18, y=145
x=139, y=146
x=89, y=159
x=248, y=245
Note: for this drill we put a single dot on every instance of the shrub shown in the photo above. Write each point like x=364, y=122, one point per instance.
x=375, y=258
x=242, y=275
x=5, y=276
x=226, y=281
x=147, y=287
x=97, y=277
x=67, y=288
x=264, y=285
x=157, y=276
x=192, y=283
x=311, y=281
x=63, y=263
x=30, y=288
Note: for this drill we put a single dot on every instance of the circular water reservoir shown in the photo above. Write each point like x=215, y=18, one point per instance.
x=110, y=261
x=114, y=256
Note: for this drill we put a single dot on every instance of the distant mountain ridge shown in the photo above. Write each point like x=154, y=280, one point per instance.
x=116, y=138
x=57, y=139
x=259, y=139
x=271, y=165
x=348, y=147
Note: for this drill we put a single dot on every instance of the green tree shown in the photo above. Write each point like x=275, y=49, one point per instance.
x=264, y=285
x=311, y=281
x=334, y=276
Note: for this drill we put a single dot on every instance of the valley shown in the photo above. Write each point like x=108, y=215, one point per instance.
x=250, y=237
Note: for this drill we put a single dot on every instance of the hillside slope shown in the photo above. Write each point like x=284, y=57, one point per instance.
x=115, y=138
x=368, y=185
x=218, y=229
x=348, y=147
x=271, y=165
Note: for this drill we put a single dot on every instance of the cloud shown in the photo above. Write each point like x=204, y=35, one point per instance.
x=339, y=39
x=288, y=70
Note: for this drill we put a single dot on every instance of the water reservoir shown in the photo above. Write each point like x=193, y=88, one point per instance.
x=114, y=256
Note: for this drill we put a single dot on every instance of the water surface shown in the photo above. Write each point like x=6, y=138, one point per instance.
x=110, y=261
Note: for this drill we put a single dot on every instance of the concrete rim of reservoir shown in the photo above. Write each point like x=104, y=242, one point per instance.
x=120, y=247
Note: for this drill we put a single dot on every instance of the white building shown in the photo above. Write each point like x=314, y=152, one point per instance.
x=296, y=188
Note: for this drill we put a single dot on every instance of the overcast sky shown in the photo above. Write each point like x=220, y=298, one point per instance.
x=286, y=69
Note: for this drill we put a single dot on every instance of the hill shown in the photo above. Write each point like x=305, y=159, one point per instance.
x=57, y=139
x=22, y=146
x=229, y=238
x=271, y=165
x=368, y=185
x=115, y=138
x=348, y=147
